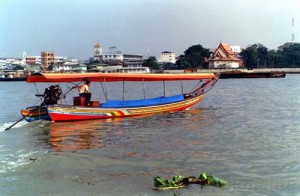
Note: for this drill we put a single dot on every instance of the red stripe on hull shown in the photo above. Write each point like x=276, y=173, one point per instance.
x=72, y=117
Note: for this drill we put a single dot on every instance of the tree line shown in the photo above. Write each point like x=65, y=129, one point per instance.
x=259, y=56
x=253, y=56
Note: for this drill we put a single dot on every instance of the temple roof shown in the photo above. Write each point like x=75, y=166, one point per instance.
x=223, y=53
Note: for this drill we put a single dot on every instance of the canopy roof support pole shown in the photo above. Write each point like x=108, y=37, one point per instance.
x=144, y=88
x=123, y=90
x=164, y=88
x=104, y=93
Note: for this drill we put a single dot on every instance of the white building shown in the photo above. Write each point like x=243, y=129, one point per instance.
x=33, y=60
x=236, y=49
x=168, y=57
x=115, y=57
x=128, y=60
x=71, y=62
x=2, y=63
x=9, y=63
x=68, y=68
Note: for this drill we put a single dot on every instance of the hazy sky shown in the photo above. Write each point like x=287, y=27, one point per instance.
x=71, y=28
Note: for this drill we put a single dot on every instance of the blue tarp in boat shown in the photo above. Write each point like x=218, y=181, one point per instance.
x=142, y=102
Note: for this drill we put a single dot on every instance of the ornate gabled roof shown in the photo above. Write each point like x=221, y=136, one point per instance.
x=224, y=53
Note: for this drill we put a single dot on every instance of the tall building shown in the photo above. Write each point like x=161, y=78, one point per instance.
x=98, y=52
x=47, y=59
x=168, y=57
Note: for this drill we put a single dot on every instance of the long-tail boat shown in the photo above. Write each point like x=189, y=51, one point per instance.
x=52, y=110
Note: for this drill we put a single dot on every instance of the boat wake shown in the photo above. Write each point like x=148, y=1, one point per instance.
x=6, y=125
x=11, y=161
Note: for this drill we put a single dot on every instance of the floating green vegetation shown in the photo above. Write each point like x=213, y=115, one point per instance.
x=182, y=181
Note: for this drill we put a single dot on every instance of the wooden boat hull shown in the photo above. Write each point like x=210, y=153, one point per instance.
x=75, y=113
x=35, y=113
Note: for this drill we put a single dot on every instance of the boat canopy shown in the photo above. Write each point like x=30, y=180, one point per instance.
x=115, y=77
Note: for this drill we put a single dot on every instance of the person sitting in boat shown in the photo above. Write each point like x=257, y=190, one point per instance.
x=84, y=92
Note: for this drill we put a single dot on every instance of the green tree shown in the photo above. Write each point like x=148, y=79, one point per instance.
x=193, y=57
x=151, y=62
x=289, y=55
x=17, y=67
x=272, y=59
x=50, y=67
x=255, y=56
x=182, y=62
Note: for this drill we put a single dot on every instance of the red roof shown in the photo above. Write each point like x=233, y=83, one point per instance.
x=223, y=53
x=114, y=77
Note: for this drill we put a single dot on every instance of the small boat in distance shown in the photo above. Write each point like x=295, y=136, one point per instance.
x=114, y=108
x=12, y=76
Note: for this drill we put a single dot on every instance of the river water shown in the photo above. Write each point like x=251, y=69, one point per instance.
x=245, y=131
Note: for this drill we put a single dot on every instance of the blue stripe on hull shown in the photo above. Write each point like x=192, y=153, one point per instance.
x=34, y=118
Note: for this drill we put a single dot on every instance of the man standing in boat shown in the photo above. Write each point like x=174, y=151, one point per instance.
x=84, y=92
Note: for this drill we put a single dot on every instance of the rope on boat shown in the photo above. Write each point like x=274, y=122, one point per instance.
x=181, y=85
x=37, y=91
x=197, y=84
x=205, y=87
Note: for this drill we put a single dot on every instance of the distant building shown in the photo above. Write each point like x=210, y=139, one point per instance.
x=127, y=60
x=70, y=68
x=33, y=60
x=98, y=52
x=133, y=60
x=236, y=49
x=116, y=58
x=10, y=63
x=168, y=57
x=59, y=60
x=224, y=57
x=47, y=59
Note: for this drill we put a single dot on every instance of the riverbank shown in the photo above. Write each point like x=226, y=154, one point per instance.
x=265, y=70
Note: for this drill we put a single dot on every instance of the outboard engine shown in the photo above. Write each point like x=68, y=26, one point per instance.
x=52, y=94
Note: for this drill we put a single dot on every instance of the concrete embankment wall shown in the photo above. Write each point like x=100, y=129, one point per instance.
x=266, y=70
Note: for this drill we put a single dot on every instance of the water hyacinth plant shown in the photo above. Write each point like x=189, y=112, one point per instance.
x=182, y=181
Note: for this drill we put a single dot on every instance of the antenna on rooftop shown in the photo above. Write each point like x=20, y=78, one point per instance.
x=148, y=51
x=293, y=34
